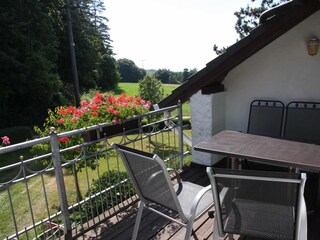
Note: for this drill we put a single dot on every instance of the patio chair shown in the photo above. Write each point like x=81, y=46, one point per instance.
x=154, y=187
x=258, y=204
x=302, y=122
x=265, y=118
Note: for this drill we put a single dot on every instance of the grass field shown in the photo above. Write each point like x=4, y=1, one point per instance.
x=131, y=89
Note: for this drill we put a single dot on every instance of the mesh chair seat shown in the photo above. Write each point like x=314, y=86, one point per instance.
x=261, y=219
x=186, y=198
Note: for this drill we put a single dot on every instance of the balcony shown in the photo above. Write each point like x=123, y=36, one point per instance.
x=83, y=191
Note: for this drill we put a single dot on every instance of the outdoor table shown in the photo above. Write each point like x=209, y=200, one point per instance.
x=267, y=150
x=273, y=151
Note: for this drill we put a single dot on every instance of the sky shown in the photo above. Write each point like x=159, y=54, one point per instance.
x=171, y=34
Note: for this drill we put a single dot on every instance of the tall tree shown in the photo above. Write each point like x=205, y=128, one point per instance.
x=27, y=61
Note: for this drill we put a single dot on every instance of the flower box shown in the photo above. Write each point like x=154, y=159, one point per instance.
x=112, y=130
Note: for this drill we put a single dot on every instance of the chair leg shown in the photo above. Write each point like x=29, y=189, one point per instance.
x=188, y=230
x=215, y=234
x=138, y=220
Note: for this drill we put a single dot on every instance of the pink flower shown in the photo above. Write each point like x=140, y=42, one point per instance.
x=116, y=112
x=5, y=140
x=74, y=119
x=61, y=121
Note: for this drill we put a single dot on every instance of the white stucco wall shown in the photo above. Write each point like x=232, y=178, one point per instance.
x=203, y=107
x=283, y=71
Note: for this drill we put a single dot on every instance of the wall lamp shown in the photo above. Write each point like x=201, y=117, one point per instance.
x=313, y=46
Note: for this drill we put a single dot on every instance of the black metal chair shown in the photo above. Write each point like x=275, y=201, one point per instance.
x=265, y=118
x=259, y=204
x=154, y=188
x=302, y=122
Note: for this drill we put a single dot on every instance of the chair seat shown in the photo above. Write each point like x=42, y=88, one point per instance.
x=187, y=195
x=257, y=214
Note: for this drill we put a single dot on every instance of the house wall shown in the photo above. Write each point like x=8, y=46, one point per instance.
x=283, y=71
x=208, y=118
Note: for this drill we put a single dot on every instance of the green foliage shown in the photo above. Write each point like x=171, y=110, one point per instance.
x=248, y=19
x=112, y=197
x=151, y=89
x=129, y=71
x=27, y=56
x=163, y=75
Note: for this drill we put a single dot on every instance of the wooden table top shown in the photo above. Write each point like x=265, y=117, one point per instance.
x=264, y=149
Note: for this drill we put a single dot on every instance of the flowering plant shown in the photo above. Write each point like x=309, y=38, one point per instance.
x=5, y=141
x=110, y=109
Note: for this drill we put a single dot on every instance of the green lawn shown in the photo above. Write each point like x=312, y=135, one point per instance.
x=131, y=89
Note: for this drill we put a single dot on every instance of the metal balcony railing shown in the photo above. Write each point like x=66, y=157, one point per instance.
x=54, y=192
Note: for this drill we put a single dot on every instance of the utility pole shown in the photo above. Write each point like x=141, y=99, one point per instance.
x=73, y=56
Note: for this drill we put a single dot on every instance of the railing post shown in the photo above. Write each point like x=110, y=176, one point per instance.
x=180, y=130
x=60, y=183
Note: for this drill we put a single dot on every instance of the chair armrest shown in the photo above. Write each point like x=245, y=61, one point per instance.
x=197, y=200
x=176, y=174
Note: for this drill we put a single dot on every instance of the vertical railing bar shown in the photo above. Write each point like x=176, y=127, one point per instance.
x=78, y=197
x=100, y=188
x=180, y=130
x=13, y=215
x=26, y=232
x=28, y=196
x=106, y=193
x=89, y=189
x=46, y=200
x=60, y=183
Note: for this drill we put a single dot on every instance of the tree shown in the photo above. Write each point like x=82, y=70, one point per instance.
x=248, y=19
x=129, y=71
x=151, y=89
x=27, y=61
x=163, y=75
x=186, y=73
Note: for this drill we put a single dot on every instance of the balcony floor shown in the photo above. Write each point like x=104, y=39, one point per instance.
x=155, y=227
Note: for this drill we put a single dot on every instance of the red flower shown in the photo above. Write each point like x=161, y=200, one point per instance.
x=95, y=114
x=62, y=111
x=61, y=121
x=70, y=109
x=116, y=112
x=110, y=109
x=63, y=139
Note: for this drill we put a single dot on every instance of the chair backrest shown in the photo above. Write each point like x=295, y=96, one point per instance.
x=150, y=178
x=265, y=118
x=257, y=203
x=302, y=122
